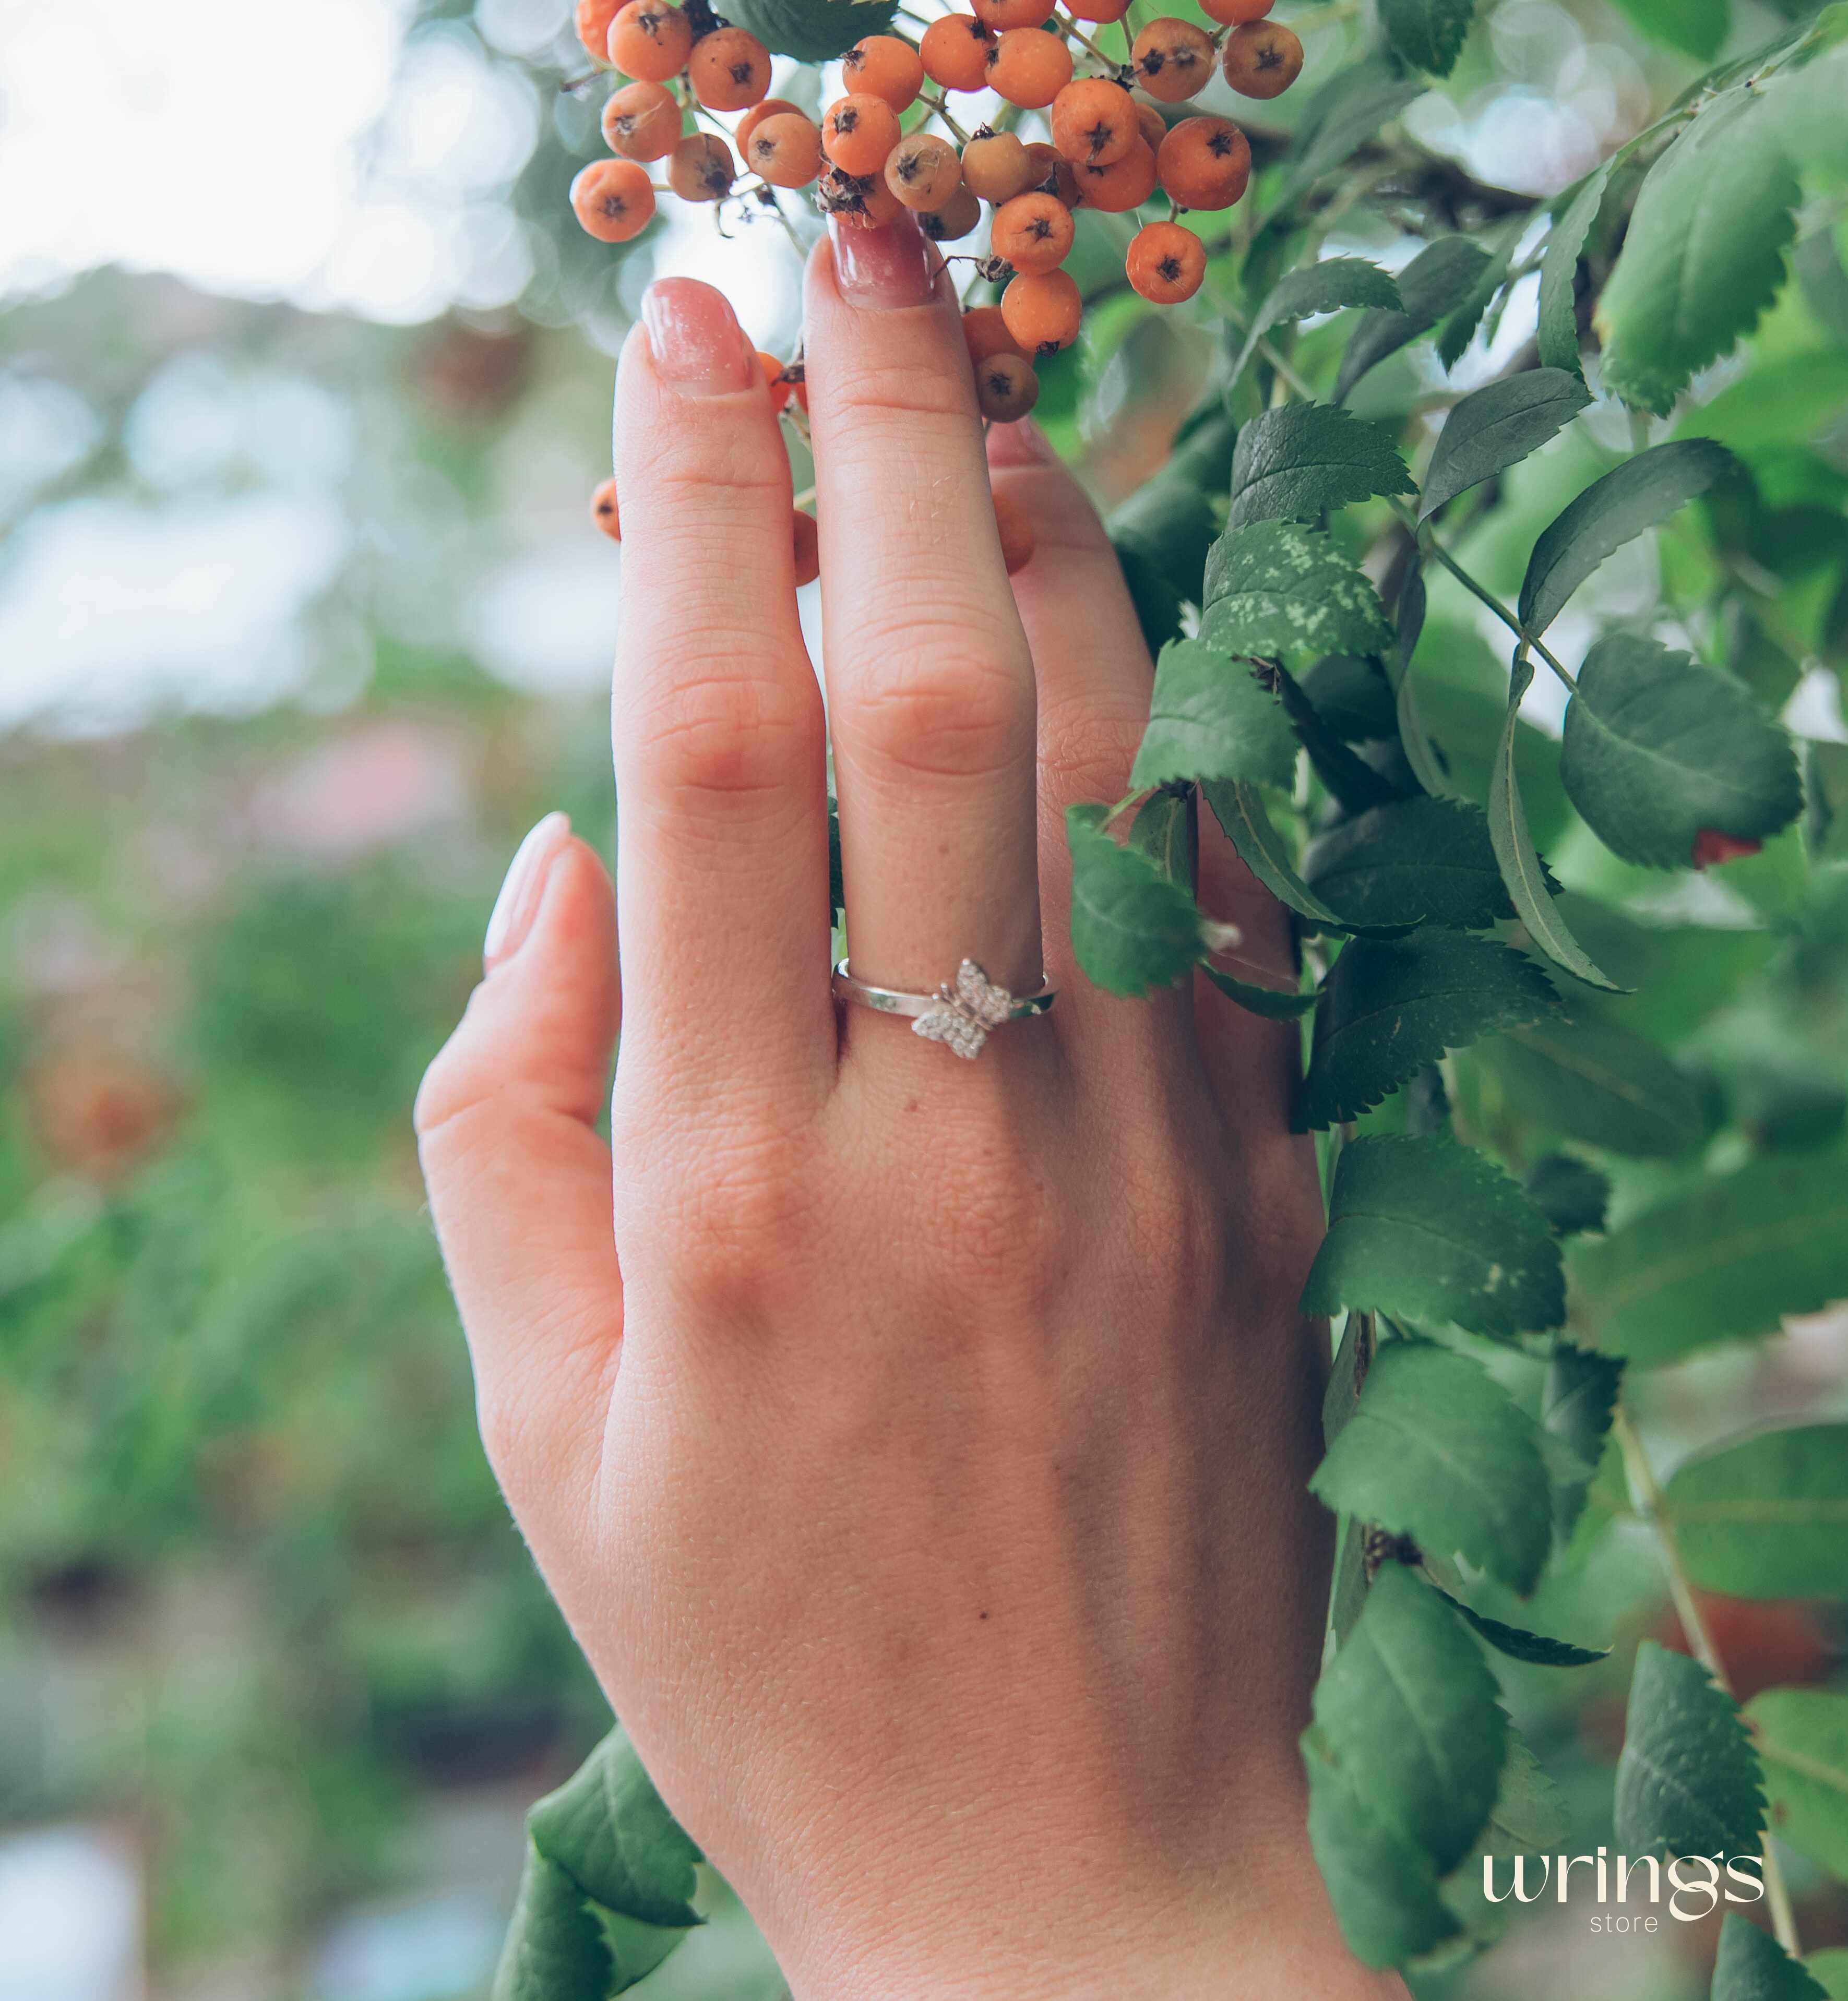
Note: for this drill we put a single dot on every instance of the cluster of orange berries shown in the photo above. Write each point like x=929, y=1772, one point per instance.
x=1109, y=149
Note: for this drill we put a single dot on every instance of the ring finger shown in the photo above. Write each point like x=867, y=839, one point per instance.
x=929, y=681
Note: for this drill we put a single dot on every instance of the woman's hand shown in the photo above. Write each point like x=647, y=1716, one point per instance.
x=917, y=1447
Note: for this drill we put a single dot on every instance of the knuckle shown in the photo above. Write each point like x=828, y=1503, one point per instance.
x=711, y=733
x=882, y=401
x=1086, y=756
x=941, y=710
x=453, y=1086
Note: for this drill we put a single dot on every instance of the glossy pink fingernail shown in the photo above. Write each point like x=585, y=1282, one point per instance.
x=524, y=890
x=695, y=337
x=882, y=264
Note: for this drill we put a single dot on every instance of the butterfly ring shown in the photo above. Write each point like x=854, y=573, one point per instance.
x=959, y=1014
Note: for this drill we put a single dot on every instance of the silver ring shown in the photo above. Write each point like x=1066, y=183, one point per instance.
x=959, y=1014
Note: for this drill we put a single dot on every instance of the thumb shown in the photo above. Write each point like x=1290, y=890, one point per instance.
x=519, y=1179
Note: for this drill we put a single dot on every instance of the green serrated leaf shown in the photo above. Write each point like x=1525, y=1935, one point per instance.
x=1422, y=861
x=1658, y=748
x=1273, y=1003
x=606, y=1894
x=1438, y=1450
x=1323, y=287
x=1161, y=831
x=1161, y=534
x=1571, y=1194
x=1584, y=1076
x=1577, y=1402
x=1275, y=587
x=1522, y=872
x=1497, y=427
x=1209, y=717
x=1537, y=1649
x=1751, y=1965
x=1687, y=1781
x=1557, y=332
x=1428, y=1230
x=1428, y=33
x=1407, y=1709
x=1132, y=927
x=1352, y=695
x=1767, y=1517
x=1382, y=1885
x=1301, y=460
x=1722, y=1261
x=1459, y=329
x=1435, y=283
x=1636, y=494
x=1391, y=1006
x=1422, y=754
x=1351, y=780
x=1802, y=1740
x=1239, y=809
x=811, y=31
x=1704, y=253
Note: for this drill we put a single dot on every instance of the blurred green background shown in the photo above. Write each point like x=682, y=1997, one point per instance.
x=305, y=380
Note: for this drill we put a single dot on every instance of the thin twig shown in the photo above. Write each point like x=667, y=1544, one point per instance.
x=1646, y=1491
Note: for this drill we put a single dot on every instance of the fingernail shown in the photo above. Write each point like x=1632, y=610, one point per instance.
x=695, y=337
x=882, y=264
x=524, y=890
x=1022, y=443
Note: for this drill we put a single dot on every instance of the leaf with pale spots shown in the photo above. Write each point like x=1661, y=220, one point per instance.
x=1275, y=587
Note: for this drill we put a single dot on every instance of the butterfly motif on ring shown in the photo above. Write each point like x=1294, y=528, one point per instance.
x=967, y=1008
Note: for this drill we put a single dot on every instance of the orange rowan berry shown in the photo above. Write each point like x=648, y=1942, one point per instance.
x=1094, y=120
x=885, y=66
x=954, y=49
x=1002, y=15
x=1052, y=172
x=857, y=197
x=1235, y=13
x=1204, y=163
x=1042, y=309
x=613, y=200
x=1151, y=123
x=701, y=168
x=1016, y=531
x=959, y=215
x=859, y=133
x=1105, y=11
x=1029, y=67
x=922, y=171
x=1173, y=59
x=1117, y=189
x=808, y=547
x=775, y=381
x=642, y=121
x=603, y=510
x=1032, y=231
x=770, y=107
x=995, y=166
x=650, y=40
x=785, y=150
x=1262, y=59
x=729, y=70
x=1166, y=263
x=594, y=19
x=1006, y=388
x=985, y=329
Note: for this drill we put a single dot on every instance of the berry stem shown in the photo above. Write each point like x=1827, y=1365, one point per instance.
x=940, y=105
x=1070, y=28
x=1651, y=1504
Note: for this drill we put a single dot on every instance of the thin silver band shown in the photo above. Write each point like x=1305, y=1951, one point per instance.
x=889, y=1000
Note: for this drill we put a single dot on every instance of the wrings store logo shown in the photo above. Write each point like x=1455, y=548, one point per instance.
x=1692, y=1882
